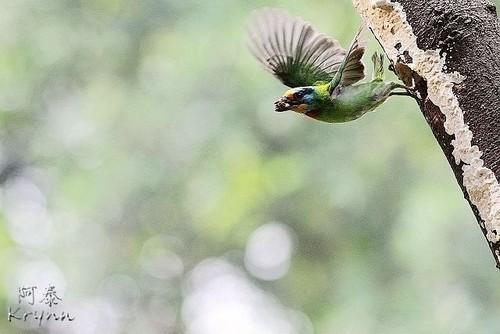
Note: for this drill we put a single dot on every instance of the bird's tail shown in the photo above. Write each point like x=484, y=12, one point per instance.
x=378, y=67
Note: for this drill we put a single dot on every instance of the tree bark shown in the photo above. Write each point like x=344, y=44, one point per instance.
x=450, y=51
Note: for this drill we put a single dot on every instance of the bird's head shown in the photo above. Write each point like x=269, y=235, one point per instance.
x=300, y=100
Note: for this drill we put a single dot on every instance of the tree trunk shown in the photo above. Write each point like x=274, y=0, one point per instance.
x=450, y=51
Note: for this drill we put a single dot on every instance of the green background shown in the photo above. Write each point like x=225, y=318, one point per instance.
x=145, y=175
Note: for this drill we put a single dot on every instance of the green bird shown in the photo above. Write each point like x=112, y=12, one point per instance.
x=319, y=71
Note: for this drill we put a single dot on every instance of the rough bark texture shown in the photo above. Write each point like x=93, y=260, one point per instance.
x=466, y=34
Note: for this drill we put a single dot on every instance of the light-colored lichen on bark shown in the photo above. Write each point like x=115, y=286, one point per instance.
x=388, y=22
x=382, y=4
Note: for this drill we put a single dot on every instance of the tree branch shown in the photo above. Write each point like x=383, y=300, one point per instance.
x=449, y=50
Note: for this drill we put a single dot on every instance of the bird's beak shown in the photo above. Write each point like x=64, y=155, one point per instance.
x=283, y=104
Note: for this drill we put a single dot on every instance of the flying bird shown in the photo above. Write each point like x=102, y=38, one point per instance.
x=322, y=76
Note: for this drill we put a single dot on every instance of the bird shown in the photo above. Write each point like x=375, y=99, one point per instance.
x=321, y=75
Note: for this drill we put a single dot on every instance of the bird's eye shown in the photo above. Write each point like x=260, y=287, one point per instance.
x=299, y=95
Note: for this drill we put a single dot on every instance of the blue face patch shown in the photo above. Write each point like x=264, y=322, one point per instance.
x=309, y=98
x=306, y=96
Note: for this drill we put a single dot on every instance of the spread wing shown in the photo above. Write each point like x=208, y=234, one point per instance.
x=352, y=69
x=296, y=53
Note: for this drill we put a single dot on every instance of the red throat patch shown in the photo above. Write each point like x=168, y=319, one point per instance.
x=313, y=114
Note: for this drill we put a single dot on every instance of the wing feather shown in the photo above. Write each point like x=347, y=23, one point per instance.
x=296, y=53
x=354, y=69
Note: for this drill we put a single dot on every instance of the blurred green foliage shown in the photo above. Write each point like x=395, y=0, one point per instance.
x=145, y=174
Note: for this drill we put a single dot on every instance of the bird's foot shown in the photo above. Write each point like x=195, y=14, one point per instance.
x=409, y=91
